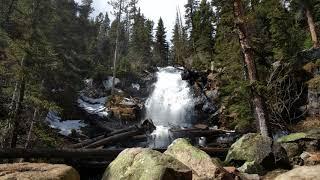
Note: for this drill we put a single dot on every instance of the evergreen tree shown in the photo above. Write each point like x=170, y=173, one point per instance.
x=161, y=45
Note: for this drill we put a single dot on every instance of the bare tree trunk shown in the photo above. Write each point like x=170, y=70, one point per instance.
x=35, y=114
x=17, y=110
x=258, y=104
x=116, y=48
x=312, y=27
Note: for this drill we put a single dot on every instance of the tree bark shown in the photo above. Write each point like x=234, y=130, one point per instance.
x=116, y=48
x=35, y=114
x=312, y=27
x=258, y=103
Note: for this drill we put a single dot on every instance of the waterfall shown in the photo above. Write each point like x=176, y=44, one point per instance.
x=171, y=104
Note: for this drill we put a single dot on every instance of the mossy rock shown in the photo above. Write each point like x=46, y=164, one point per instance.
x=250, y=148
x=251, y=168
x=202, y=165
x=145, y=164
x=292, y=137
x=313, y=134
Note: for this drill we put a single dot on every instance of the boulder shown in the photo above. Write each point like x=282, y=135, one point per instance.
x=303, y=172
x=292, y=149
x=313, y=134
x=146, y=164
x=310, y=158
x=252, y=149
x=203, y=167
x=40, y=171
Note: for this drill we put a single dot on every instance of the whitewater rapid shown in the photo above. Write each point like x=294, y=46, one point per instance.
x=170, y=105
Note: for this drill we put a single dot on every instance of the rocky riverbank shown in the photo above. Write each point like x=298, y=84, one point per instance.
x=251, y=157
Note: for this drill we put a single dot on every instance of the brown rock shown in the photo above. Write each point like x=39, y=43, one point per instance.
x=303, y=172
x=37, y=171
x=310, y=158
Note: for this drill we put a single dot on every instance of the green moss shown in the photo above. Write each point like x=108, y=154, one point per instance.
x=292, y=137
x=250, y=148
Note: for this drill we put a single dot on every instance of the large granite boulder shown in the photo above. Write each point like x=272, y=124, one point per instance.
x=146, y=164
x=202, y=165
x=303, y=172
x=34, y=171
x=252, y=149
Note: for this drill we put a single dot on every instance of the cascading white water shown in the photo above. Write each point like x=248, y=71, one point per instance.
x=170, y=104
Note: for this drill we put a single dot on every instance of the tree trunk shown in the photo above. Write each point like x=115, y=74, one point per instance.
x=258, y=104
x=312, y=28
x=17, y=110
x=116, y=48
x=35, y=114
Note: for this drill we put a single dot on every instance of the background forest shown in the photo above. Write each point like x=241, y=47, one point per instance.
x=48, y=48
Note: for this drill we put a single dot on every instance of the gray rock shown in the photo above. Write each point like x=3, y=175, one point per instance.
x=146, y=164
x=202, y=165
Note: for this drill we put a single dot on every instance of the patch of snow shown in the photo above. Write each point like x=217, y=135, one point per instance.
x=88, y=82
x=127, y=102
x=108, y=82
x=136, y=86
x=94, y=106
x=66, y=126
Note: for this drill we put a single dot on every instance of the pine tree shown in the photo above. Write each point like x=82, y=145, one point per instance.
x=161, y=46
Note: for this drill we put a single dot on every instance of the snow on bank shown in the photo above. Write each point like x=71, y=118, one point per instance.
x=94, y=106
x=66, y=126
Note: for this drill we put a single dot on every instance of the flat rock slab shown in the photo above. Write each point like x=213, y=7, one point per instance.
x=303, y=172
x=37, y=171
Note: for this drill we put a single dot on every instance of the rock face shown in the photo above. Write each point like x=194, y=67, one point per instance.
x=33, y=171
x=146, y=164
x=303, y=172
x=203, y=167
x=251, y=149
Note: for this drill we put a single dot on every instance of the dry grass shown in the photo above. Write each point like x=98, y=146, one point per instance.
x=307, y=124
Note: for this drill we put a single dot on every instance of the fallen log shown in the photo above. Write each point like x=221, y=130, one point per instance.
x=196, y=132
x=114, y=139
x=119, y=135
x=72, y=154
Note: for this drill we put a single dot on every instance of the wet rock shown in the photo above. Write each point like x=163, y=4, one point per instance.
x=303, y=172
x=34, y=171
x=146, y=164
x=203, y=167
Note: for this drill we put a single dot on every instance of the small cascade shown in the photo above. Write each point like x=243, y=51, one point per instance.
x=170, y=105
